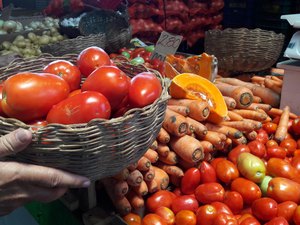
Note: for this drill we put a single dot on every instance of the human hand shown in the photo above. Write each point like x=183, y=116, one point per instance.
x=22, y=183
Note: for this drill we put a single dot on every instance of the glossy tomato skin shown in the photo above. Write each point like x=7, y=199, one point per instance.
x=153, y=219
x=296, y=162
x=109, y=81
x=206, y=214
x=144, y=89
x=276, y=152
x=234, y=201
x=80, y=108
x=257, y=148
x=296, y=126
x=296, y=216
x=185, y=217
x=277, y=167
x=290, y=145
x=262, y=136
x=158, y=199
x=270, y=127
x=67, y=70
x=221, y=207
x=207, y=172
x=190, y=180
x=249, y=190
x=184, y=202
x=277, y=221
x=209, y=192
x=36, y=124
x=250, y=221
x=226, y=171
x=234, y=153
x=132, y=217
x=30, y=96
x=264, y=208
x=167, y=214
x=91, y=58
x=225, y=219
x=286, y=209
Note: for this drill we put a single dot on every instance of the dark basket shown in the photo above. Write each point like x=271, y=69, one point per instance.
x=75, y=45
x=70, y=31
x=114, y=25
x=96, y=149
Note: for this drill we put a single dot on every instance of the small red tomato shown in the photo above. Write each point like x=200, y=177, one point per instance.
x=206, y=214
x=209, y=192
x=234, y=153
x=153, y=219
x=190, y=180
x=296, y=162
x=271, y=143
x=167, y=214
x=158, y=199
x=270, y=127
x=277, y=221
x=257, y=148
x=262, y=136
x=250, y=221
x=276, y=152
x=234, y=201
x=290, y=145
x=184, y=202
x=264, y=208
x=286, y=209
x=207, y=173
x=225, y=219
x=296, y=125
x=221, y=207
x=132, y=217
x=226, y=171
x=36, y=124
x=185, y=217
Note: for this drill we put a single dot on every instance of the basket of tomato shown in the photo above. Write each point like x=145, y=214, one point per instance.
x=94, y=122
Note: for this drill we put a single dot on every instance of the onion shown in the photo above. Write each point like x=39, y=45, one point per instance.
x=1, y=23
x=9, y=26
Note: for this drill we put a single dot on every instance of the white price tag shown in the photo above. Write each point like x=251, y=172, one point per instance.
x=167, y=44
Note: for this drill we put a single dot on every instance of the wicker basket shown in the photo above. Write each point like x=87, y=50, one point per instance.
x=115, y=26
x=96, y=149
x=244, y=50
x=75, y=45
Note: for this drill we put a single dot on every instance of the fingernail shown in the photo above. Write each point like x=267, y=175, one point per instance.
x=22, y=135
x=86, y=183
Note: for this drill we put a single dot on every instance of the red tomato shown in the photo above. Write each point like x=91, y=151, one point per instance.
x=36, y=124
x=75, y=92
x=91, y=58
x=277, y=221
x=296, y=125
x=234, y=201
x=234, y=153
x=184, y=202
x=225, y=219
x=1, y=111
x=289, y=145
x=209, y=192
x=226, y=171
x=262, y=136
x=109, y=81
x=296, y=216
x=158, y=199
x=30, y=96
x=221, y=207
x=296, y=162
x=249, y=190
x=264, y=208
x=271, y=143
x=276, y=152
x=132, y=217
x=207, y=173
x=250, y=221
x=67, y=70
x=282, y=189
x=190, y=181
x=185, y=217
x=206, y=214
x=80, y=108
x=257, y=148
x=153, y=219
x=167, y=214
x=138, y=52
x=286, y=209
x=270, y=127
x=215, y=161
x=144, y=89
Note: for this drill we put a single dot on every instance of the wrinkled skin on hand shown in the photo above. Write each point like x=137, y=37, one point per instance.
x=22, y=183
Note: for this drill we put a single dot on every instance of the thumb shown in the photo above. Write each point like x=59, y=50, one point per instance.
x=14, y=142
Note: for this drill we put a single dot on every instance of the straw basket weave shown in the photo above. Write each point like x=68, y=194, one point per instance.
x=96, y=149
x=244, y=50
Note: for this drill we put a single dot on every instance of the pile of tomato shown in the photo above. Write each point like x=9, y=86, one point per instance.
x=254, y=184
x=72, y=93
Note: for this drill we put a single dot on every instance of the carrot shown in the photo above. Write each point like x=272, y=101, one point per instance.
x=228, y=131
x=171, y=158
x=207, y=146
x=136, y=201
x=186, y=165
x=154, y=145
x=256, y=106
x=171, y=170
x=163, y=136
x=161, y=178
x=234, y=116
x=183, y=110
x=135, y=178
x=196, y=127
x=217, y=139
x=242, y=95
x=257, y=99
x=228, y=145
x=239, y=141
x=257, y=79
x=269, y=81
x=152, y=155
x=251, y=114
x=143, y=164
x=271, y=84
x=163, y=149
x=148, y=175
x=152, y=186
x=278, y=112
x=230, y=102
x=245, y=125
x=251, y=135
x=174, y=123
x=187, y=147
x=132, y=166
x=278, y=79
x=142, y=189
x=199, y=110
x=122, y=175
x=119, y=188
x=282, y=128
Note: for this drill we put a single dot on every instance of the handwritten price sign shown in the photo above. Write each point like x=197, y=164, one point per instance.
x=166, y=44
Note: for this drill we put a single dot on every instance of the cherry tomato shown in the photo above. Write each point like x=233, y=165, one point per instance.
x=207, y=173
x=158, y=199
x=153, y=219
x=277, y=221
x=257, y=148
x=30, y=96
x=190, y=180
x=286, y=209
x=296, y=216
x=270, y=127
x=226, y=171
x=80, y=108
x=271, y=143
x=67, y=70
x=276, y=152
x=109, y=81
x=185, y=217
x=138, y=52
x=234, y=153
x=262, y=136
x=184, y=202
x=209, y=192
x=249, y=190
x=282, y=189
x=289, y=145
x=225, y=219
x=234, y=201
x=132, y=217
x=91, y=58
x=206, y=214
x=167, y=214
x=264, y=208
x=144, y=89
x=277, y=167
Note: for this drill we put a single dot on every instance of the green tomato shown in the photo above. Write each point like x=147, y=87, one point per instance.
x=150, y=48
x=137, y=60
x=126, y=54
x=264, y=185
x=251, y=167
